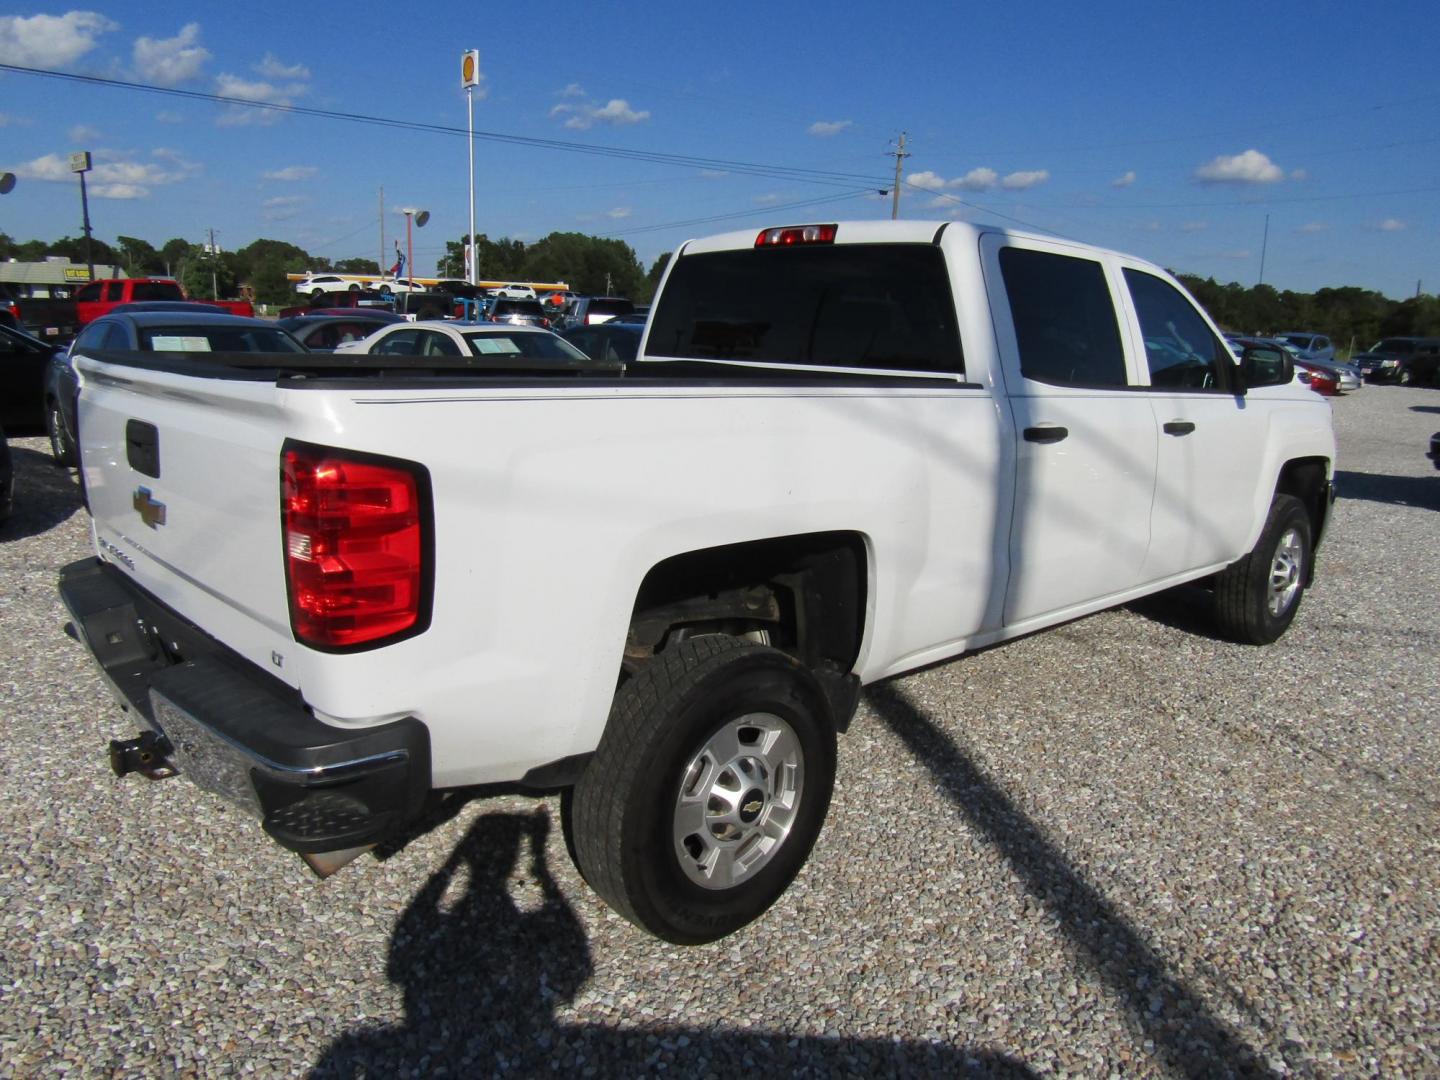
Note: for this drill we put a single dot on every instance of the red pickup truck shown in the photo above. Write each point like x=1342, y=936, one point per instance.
x=101, y=297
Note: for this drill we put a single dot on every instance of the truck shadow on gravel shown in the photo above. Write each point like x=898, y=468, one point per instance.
x=45, y=495
x=1189, y=1040
x=483, y=973
x=1422, y=492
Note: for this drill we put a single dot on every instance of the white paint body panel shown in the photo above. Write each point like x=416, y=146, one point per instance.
x=553, y=502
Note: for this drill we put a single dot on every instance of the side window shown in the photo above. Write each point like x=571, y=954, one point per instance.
x=1322, y=343
x=114, y=290
x=1064, y=319
x=1182, y=352
x=436, y=344
x=400, y=343
x=584, y=340
x=115, y=337
x=90, y=337
x=90, y=292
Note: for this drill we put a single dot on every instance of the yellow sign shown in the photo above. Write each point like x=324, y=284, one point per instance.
x=77, y=273
x=470, y=67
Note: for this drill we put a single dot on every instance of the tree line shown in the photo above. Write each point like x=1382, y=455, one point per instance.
x=590, y=265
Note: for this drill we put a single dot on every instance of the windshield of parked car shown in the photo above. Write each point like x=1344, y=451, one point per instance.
x=518, y=307
x=203, y=338
x=1394, y=345
x=1300, y=341
x=531, y=346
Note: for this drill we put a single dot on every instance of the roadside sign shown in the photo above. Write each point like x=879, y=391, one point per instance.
x=80, y=161
x=470, y=67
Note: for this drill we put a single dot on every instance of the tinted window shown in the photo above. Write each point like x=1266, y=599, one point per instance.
x=884, y=306
x=1399, y=346
x=433, y=343
x=115, y=337
x=90, y=337
x=217, y=339
x=1182, y=352
x=609, y=307
x=157, y=290
x=89, y=292
x=519, y=307
x=1064, y=319
x=535, y=346
x=114, y=290
x=400, y=343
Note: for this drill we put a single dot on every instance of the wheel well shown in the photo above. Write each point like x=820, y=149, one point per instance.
x=806, y=592
x=1304, y=478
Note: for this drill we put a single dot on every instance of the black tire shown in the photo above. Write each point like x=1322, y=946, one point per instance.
x=62, y=448
x=354, y=288
x=625, y=807
x=317, y=294
x=1256, y=598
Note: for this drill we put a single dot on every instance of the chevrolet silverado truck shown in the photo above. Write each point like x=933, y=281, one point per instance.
x=331, y=587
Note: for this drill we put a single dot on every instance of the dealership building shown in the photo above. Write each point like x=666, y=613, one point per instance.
x=54, y=276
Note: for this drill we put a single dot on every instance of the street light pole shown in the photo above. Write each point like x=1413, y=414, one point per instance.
x=470, y=78
x=80, y=163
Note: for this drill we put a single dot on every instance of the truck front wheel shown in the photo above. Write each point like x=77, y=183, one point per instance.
x=1256, y=597
x=708, y=789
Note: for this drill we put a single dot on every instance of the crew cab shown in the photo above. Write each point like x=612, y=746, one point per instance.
x=102, y=297
x=330, y=587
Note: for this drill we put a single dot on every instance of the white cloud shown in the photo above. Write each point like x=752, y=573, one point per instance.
x=1021, y=181
x=170, y=61
x=1299, y=174
x=825, y=128
x=574, y=90
x=284, y=200
x=50, y=41
x=233, y=86
x=292, y=172
x=583, y=115
x=619, y=212
x=766, y=200
x=1313, y=227
x=165, y=116
x=927, y=181
x=1392, y=225
x=1193, y=226
x=1251, y=167
x=1125, y=179
x=981, y=179
x=283, y=207
x=1151, y=226
x=115, y=175
x=83, y=133
x=272, y=68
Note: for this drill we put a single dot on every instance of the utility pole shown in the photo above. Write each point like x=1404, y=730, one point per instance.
x=900, y=155
x=381, y=263
x=1264, y=243
x=214, y=262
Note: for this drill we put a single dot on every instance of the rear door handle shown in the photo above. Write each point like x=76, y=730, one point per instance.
x=1179, y=427
x=1047, y=434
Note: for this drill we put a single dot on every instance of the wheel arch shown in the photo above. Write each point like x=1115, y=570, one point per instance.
x=1308, y=479
x=809, y=591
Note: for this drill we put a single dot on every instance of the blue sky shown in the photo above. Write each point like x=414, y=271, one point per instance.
x=1169, y=131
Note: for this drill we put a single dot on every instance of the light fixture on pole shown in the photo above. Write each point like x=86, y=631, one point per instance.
x=470, y=78
x=419, y=217
x=7, y=183
x=80, y=163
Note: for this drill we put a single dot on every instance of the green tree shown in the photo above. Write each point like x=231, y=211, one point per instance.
x=652, y=279
x=589, y=264
x=270, y=283
x=357, y=266
x=140, y=258
x=73, y=248
x=498, y=260
x=172, y=253
x=206, y=276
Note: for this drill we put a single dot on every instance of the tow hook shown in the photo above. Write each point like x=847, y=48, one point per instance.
x=145, y=754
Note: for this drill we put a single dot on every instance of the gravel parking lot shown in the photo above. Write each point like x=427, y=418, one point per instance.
x=1118, y=848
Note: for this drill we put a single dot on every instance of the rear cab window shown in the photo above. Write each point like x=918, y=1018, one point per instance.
x=1066, y=330
x=868, y=307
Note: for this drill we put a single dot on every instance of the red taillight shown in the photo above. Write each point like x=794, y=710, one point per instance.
x=796, y=234
x=356, y=542
x=545, y=323
x=15, y=310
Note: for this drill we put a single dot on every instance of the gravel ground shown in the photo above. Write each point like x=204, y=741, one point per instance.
x=1118, y=848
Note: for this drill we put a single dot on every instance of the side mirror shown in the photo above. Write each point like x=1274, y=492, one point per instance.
x=1266, y=367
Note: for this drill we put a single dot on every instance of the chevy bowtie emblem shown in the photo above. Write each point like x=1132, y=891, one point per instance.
x=150, y=511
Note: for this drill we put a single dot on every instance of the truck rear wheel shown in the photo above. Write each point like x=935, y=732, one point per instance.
x=1256, y=598
x=708, y=789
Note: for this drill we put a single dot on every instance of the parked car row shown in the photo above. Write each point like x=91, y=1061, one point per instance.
x=1403, y=360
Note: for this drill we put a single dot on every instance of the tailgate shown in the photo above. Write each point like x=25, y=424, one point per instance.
x=183, y=479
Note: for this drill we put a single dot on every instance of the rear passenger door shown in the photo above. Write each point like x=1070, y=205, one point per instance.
x=1211, y=438
x=1085, y=438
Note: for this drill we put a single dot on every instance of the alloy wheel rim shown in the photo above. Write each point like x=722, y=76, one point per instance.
x=738, y=800
x=1285, y=572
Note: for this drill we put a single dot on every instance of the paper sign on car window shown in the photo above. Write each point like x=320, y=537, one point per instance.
x=489, y=346
x=177, y=343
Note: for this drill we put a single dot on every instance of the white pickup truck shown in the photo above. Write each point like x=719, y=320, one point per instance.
x=329, y=587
